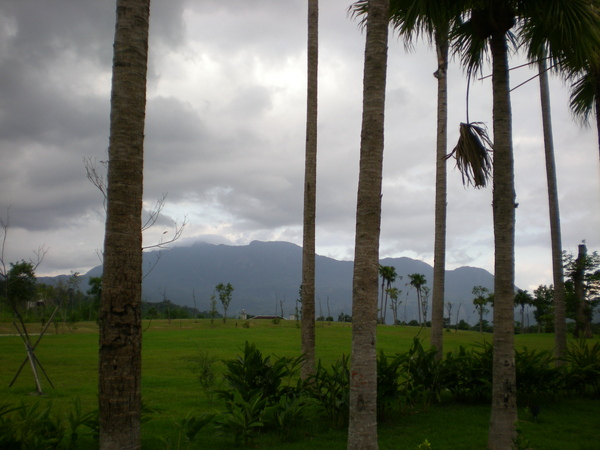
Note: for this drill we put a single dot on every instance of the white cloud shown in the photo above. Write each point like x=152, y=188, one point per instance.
x=225, y=136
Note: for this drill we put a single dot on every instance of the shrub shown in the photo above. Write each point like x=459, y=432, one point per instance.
x=243, y=417
x=581, y=373
x=34, y=426
x=468, y=373
x=536, y=374
x=260, y=394
x=202, y=365
x=251, y=373
x=421, y=374
x=388, y=383
x=331, y=390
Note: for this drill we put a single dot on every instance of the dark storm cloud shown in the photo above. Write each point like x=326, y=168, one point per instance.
x=225, y=134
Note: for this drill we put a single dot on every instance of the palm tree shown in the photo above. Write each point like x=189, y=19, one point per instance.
x=585, y=96
x=567, y=30
x=391, y=278
x=382, y=274
x=119, y=368
x=310, y=184
x=362, y=428
x=417, y=280
x=522, y=299
x=388, y=276
x=560, y=310
x=431, y=18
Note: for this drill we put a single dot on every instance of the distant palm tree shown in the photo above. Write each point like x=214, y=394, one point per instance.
x=417, y=281
x=362, y=427
x=388, y=276
x=523, y=299
x=310, y=194
x=119, y=367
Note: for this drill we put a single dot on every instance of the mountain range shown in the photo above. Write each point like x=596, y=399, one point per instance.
x=266, y=277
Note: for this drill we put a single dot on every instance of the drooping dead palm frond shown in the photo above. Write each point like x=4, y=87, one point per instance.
x=472, y=154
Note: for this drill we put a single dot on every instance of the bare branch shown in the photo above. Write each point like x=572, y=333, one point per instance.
x=40, y=253
x=100, y=255
x=152, y=265
x=154, y=213
x=163, y=242
x=96, y=176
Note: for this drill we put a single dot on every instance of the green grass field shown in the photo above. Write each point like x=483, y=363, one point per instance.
x=70, y=358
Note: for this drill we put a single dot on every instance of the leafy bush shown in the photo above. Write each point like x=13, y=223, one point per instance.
x=260, y=394
x=288, y=414
x=251, y=374
x=331, y=390
x=388, y=383
x=421, y=374
x=202, y=365
x=243, y=417
x=536, y=374
x=581, y=373
x=34, y=426
x=468, y=373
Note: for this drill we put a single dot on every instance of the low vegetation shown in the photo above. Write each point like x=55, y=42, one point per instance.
x=224, y=386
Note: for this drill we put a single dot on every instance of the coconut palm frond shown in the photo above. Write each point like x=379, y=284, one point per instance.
x=359, y=10
x=555, y=29
x=582, y=98
x=472, y=154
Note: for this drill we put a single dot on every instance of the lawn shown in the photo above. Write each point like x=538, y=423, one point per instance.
x=170, y=387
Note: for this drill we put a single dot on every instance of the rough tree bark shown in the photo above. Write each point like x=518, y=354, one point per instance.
x=362, y=430
x=120, y=311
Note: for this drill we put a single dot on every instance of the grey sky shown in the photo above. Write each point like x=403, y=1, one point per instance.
x=225, y=136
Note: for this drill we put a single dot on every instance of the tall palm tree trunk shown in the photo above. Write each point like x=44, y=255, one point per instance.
x=419, y=305
x=120, y=312
x=560, y=324
x=439, y=252
x=597, y=105
x=381, y=307
x=582, y=314
x=388, y=286
x=362, y=429
x=310, y=187
x=503, y=418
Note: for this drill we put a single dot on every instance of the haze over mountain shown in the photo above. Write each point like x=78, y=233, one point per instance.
x=264, y=274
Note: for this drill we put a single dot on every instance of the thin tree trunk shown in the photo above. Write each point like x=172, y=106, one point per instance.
x=439, y=252
x=560, y=323
x=310, y=185
x=503, y=418
x=597, y=104
x=522, y=319
x=419, y=305
x=120, y=312
x=387, y=287
x=381, y=301
x=481, y=320
x=362, y=429
x=582, y=316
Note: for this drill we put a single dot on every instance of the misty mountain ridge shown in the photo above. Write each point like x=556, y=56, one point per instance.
x=267, y=276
